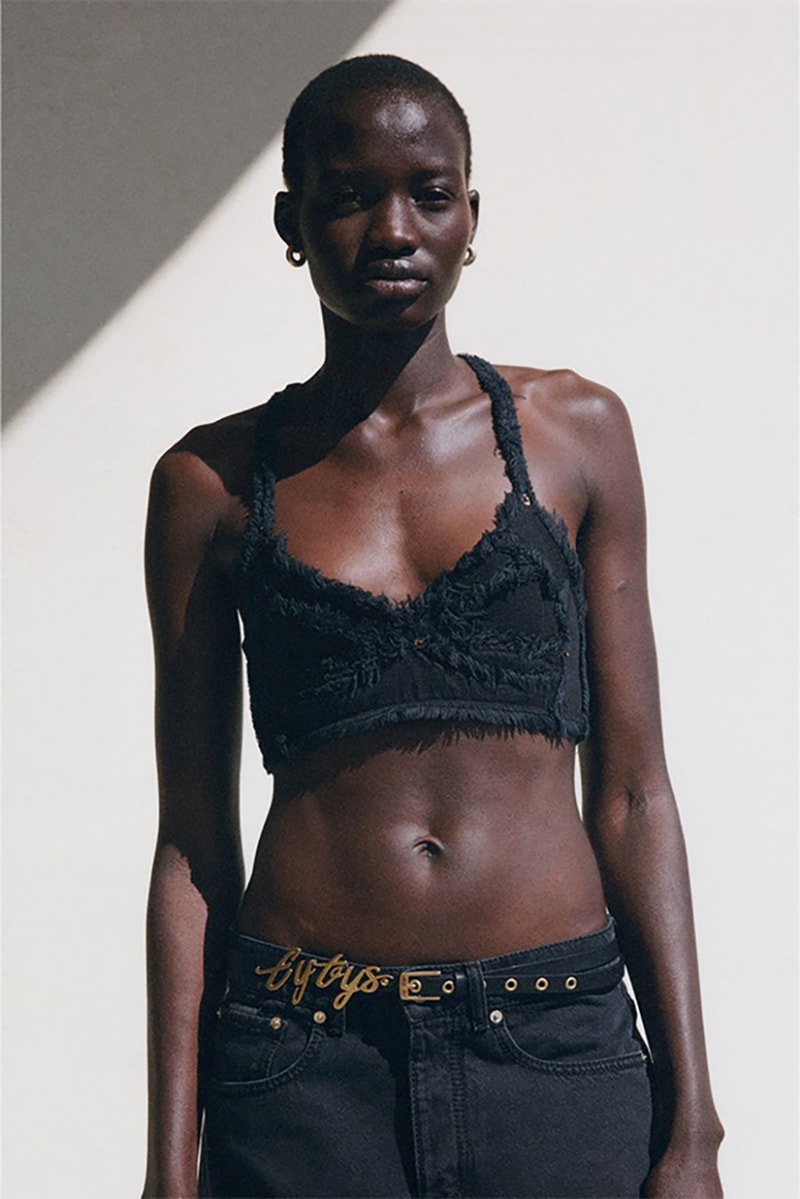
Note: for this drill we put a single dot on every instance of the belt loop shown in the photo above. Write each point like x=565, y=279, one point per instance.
x=336, y=1022
x=478, y=1006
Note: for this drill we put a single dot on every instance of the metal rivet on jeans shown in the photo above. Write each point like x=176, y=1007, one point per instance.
x=320, y=1017
x=276, y=1023
x=496, y=1016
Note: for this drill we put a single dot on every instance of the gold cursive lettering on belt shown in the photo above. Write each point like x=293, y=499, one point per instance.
x=277, y=976
x=336, y=970
x=332, y=971
x=366, y=982
x=302, y=974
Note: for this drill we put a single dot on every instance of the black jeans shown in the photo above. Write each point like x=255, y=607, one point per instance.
x=520, y=1075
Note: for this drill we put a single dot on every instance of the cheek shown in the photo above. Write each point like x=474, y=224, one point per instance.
x=328, y=260
x=452, y=251
x=457, y=234
x=332, y=253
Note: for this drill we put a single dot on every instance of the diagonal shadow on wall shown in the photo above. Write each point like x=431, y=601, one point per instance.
x=124, y=122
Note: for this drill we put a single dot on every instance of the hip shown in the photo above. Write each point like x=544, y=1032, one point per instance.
x=520, y=1074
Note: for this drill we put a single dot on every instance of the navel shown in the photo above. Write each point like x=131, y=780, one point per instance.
x=429, y=846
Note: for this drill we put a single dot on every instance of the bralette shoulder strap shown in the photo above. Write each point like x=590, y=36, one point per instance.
x=506, y=425
x=263, y=508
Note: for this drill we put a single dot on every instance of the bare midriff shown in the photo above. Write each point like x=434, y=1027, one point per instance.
x=459, y=849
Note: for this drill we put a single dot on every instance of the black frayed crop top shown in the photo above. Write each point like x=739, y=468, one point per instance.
x=498, y=639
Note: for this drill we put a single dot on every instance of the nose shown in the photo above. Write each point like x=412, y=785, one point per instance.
x=394, y=225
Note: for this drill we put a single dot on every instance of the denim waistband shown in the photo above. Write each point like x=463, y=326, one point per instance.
x=260, y=973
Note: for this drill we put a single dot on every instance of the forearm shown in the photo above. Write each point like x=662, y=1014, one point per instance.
x=185, y=950
x=640, y=848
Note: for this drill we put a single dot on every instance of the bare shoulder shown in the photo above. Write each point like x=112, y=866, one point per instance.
x=209, y=466
x=584, y=408
x=578, y=435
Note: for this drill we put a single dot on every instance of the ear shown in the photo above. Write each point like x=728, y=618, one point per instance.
x=285, y=218
x=474, y=203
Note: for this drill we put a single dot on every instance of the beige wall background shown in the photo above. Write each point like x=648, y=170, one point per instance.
x=637, y=163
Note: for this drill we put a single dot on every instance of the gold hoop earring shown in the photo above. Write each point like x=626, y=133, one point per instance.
x=470, y=256
x=295, y=257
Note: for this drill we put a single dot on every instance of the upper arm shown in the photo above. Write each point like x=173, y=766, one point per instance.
x=623, y=758
x=197, y=662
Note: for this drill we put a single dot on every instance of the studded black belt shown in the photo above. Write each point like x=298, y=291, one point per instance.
x=450, y=983
x=263, y=972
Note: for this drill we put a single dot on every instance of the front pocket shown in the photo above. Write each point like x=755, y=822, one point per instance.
x=260, y=1049
x=591, y=1035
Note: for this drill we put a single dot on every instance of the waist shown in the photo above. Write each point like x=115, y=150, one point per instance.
x=261, y=974
x=457, y=852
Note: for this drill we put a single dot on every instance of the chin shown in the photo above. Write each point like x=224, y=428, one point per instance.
x=389, y=317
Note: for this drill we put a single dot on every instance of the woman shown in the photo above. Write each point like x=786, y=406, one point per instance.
x=423, y=994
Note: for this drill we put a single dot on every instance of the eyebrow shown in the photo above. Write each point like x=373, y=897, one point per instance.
x=438, y=171
x=334, y=174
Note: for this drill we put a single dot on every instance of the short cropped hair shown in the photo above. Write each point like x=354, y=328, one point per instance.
x=384, y=72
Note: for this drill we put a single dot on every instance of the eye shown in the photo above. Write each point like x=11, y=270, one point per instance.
x=345, y=200
x=433, y=198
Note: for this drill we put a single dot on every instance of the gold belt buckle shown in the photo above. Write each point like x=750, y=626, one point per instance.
x=410, y=985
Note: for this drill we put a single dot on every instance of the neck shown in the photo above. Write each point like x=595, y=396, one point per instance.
x=364, y=371
x=374, y=368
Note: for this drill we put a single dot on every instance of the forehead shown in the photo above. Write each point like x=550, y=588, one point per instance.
x=376, y=123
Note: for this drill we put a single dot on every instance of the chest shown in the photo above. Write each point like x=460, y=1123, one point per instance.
x=390, y=518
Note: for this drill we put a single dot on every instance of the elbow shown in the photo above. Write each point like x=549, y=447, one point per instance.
x=216, y=872
x=628, y=808
x=639, y=802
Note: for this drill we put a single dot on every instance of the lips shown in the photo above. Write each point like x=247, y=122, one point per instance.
x=392, y=270
x=394, y=278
